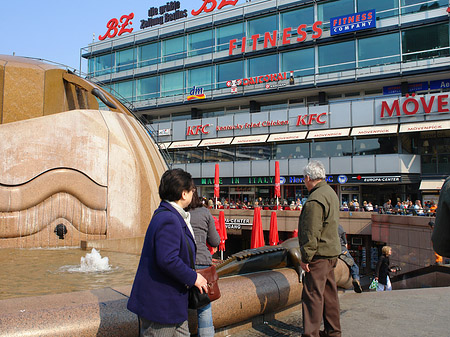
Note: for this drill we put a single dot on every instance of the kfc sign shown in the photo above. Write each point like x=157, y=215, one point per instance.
x=309, y=119
x=195, y=130
x=411, y=105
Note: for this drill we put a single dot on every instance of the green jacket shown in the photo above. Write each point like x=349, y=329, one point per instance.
x=441, y=231
x=318, y=224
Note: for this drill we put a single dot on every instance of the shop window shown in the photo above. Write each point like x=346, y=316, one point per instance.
x=187, y=156
x=290, y=151
x=261, y=26
x=125, y=59
x=125, y=90
x=149, y=54
x=331, y=9
x=371, y=146
x=425, y=42
x=103, y=64
x=219, y=154
x=263, y=65
x=174, y=49
x=226, y=33
x=147, y=88
x=297, y=17
x=229, y=71
x=200, y=43
x=379, y=50
x=383, y=8
x=414, y=6
x=301, y=62
x=334, y=148
x=91, y=66
x=200, y=78
x=337, y=57
x=172, y=84
x=429, y=164
x=253, y=152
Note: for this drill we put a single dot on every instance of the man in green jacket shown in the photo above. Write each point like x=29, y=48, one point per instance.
x=320, y=247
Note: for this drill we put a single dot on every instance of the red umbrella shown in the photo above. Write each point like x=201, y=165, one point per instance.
x=257, y=231
x=277, y=180
x=222, y=231
x=273, y=234
x=216, y=183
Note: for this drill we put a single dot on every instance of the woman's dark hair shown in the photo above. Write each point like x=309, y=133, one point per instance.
x=173, y=183
x=196, y=201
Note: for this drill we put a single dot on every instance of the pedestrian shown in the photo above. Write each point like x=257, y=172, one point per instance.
x=441, y=230
x=159, y=295
x=349, y=261
x=320, y=247
x=205, y=232
x=383, y=269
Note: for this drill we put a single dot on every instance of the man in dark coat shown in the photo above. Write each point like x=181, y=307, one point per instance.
x=320, y=247
x=441, y=231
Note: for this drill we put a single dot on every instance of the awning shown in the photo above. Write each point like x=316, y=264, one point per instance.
x=282, y=137
x=328, y=133
x=250, y=139
x=182, y=145
x=164, y=146
x=216, y=141
x=374, y=130
x=431, y=184
x=425, y=126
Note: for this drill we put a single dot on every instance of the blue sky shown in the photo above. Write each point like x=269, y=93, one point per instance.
x=56, y=30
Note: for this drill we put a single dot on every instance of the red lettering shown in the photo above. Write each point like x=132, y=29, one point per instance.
x=273, y=40
x=112, y=29
x=286, y=36
x=351, y=19
x=442, y=103
x=244, y=41
x=245, y=81
x=232, y=46
x=250, y=81
x=427, y=108
x=312, y=117
x=203, y=129
x=204, y=7
x=301, y=120
x=319, y=118
x=369, y=15
x=127, y=19
x=255, y=41
x=334, y=22
x=358, y=18
x=301, y=32
x=363, y=17
x=317, y=29
x=405, y=106
x=226, y=3
x=385, y=108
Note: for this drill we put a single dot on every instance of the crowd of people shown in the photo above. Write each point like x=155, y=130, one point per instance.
x=406, y=207
x=264, y=203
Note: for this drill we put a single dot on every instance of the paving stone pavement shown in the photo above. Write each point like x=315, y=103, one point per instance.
x=398, y=313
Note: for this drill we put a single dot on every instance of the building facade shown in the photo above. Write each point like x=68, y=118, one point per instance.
x=360, y=85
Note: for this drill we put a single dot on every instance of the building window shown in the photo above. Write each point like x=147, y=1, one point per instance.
x=383, y=8
x=337, y=57
x=300, y=61
x=331, y=9
x=229, y=71
x=371, y=146
x=200, y=78
x=147, y=88
x=290, y=151
x=253, y=152
x=183, y=156
x=413, y=6
x=297, y=17
x=149, y=54
x=333, y=148
x=103, y=64
x=227, y=33
x=200, y=43
x=125, y=59
x=379, y=50
x=174, y=49
x=425, y=42
x=172, y=84
x=263, y=65
x=219, y=154
x=261, y=26
x=125, y=90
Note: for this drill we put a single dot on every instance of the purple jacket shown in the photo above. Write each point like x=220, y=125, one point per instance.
x=160, y=288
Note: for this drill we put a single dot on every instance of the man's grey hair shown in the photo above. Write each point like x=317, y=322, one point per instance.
x=314, y=170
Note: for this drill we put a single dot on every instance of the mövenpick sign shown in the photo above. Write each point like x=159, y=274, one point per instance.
x=412, y=104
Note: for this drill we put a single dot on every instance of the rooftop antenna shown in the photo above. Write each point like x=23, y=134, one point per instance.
x=93, y=37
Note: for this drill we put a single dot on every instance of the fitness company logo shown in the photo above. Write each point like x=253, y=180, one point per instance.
x=353, y=22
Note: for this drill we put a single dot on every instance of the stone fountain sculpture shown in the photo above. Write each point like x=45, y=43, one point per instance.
x=69, y=171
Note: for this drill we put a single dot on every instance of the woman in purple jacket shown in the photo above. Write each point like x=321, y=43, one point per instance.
x=160, y=290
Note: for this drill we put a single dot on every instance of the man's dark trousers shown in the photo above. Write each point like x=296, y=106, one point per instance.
x=320, y=299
